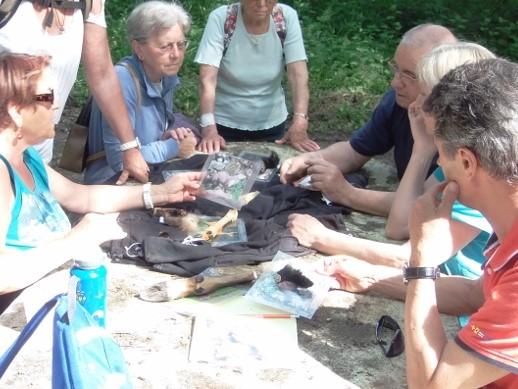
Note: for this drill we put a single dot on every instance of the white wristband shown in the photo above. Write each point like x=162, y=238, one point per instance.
x=207, y=119
x=146, y=195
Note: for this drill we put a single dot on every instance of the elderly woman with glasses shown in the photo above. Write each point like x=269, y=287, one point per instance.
x=242, y=55
x=156, y=31
x=35, y=233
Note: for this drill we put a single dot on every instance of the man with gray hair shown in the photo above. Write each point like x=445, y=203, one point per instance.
x=388, y=128
x=475, y=113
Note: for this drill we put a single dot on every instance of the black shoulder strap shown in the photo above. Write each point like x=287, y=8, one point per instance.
x=7, y=10
x=9, y=7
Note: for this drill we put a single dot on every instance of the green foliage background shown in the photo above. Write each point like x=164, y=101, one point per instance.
x=348, y=44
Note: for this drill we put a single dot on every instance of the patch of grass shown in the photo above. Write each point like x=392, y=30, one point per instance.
x=348, y=44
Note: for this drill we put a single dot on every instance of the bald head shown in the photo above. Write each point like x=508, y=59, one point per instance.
x=427, y=36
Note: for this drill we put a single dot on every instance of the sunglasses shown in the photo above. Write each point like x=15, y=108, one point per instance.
x=389, y=333
x=45, y=97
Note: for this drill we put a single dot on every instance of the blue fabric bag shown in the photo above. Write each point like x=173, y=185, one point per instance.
x=84, y=355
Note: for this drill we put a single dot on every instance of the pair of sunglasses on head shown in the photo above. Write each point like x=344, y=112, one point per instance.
x=390, y=336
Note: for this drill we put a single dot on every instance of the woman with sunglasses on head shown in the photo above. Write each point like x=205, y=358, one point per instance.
x=241, y=93
x=69, y=35
x=156, y=31
x=35, y=233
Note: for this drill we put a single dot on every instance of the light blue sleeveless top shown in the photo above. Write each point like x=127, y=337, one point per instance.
x=36, y=217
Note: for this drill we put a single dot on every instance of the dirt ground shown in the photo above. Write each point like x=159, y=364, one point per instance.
x=337, y=346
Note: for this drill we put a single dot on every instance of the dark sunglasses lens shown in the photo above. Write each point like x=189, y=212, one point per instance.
x=389, y=333
x=46, y=97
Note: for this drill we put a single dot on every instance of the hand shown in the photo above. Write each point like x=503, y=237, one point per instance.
x=327, y=178
x=134, y=166
x=429, y=225
x=423, y=140
x=293, y=169
x=297, y=136
x=96, y=228
x=182, y=187
x=350, y=274
x=177, y=133
x=211, y=142
x=306, y=229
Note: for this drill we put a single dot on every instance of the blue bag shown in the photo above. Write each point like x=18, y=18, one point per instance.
x=84, y=355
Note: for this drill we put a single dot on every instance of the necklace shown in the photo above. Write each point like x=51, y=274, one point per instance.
x=61, y=25
x=256, y=39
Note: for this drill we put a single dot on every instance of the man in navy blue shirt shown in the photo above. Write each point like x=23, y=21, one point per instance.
x=388, y=128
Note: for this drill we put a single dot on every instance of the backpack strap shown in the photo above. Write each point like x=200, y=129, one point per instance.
x=7, y=10
x=279, y=23
x=133, y=74
x=9, y=7
x=229, y=27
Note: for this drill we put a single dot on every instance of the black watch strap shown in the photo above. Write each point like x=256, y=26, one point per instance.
x=420, y=272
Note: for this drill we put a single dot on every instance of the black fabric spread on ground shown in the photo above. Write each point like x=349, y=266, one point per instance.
x=265, y=217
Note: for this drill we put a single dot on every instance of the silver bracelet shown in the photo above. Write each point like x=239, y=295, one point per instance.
x=207, y=119
x=146, y=195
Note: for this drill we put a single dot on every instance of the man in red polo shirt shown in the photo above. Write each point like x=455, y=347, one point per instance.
x=475, y=112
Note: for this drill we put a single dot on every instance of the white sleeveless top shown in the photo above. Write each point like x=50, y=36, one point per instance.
x=24, y=34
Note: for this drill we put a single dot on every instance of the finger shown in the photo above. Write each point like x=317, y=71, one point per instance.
x=449, y=195
x=123, y=177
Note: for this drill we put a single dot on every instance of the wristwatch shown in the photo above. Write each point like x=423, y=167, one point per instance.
x=131, y=145
x=420, y=272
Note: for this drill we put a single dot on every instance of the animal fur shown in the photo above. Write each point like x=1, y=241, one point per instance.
x=178, y=218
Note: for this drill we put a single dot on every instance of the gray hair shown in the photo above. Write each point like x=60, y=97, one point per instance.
x=476, y=107
x=427, y=36
x=434, y=65
x=151, y=17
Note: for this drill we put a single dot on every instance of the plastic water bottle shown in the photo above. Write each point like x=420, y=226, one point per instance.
x=91, y=287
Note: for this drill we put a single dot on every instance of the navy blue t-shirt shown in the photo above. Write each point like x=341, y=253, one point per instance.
x=387, y=128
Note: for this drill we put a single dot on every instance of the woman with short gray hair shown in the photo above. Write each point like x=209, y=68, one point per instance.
x=157, y=32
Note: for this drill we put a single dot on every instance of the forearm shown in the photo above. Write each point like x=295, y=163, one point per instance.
x=104, y=83
x=453, y=293
x=425, y=337
x=376, y=253
x=298, y=80
x=342, y=155
x=369, y=201
x=409, y=189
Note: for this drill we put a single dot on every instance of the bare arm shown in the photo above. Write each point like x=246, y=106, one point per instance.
x=311, y=233
x=212, y=141
x=297, y=132
x=432, y=361
x=413, y=182
x=106, y=89
x=109, y=198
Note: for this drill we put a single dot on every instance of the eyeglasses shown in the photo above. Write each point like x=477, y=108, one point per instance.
x=388, y=328
x=268, y=2
x=45, y=97
x=407, y=78
x=180, y=46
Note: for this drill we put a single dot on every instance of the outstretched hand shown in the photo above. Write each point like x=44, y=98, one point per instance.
x=349, y=274
x=299, y=140
x=182, y=187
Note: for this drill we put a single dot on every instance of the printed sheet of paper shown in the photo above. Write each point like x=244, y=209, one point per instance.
x=241, y=340
x=227, y=179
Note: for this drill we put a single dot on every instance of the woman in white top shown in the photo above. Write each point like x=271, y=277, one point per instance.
x=67, y=38
x=241, y=95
